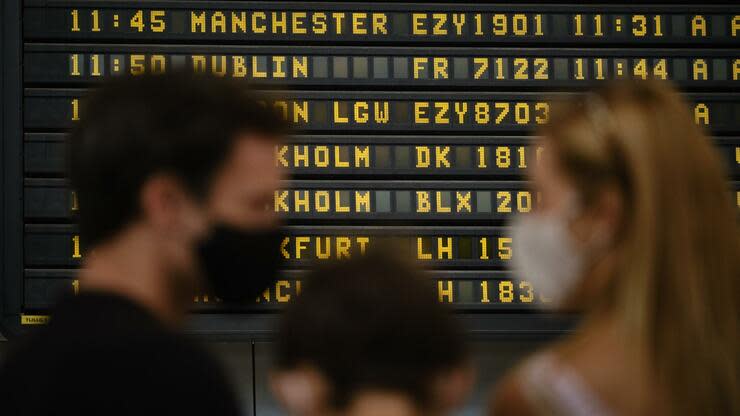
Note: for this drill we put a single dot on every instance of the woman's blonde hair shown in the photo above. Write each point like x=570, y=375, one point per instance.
x=675, y=289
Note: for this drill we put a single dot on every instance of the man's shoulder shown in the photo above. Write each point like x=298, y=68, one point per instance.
x=121, y=338
x=120, y=363
x=114, y=369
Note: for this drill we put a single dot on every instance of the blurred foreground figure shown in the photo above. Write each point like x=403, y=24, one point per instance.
x=637, y=232
x=368, y=337
x=173, y=174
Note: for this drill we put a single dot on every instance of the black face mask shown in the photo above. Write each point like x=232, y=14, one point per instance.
x=240, y=264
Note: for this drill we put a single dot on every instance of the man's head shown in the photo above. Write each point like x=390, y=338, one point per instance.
x=170, y=157
x=371, y=326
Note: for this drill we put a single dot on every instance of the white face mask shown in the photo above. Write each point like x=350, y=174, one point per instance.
x=546, y=255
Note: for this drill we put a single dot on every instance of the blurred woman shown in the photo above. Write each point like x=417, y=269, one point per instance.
x=636, y=232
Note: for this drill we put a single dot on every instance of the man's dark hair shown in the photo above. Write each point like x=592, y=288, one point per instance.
x=371, y=323
x=179, y=123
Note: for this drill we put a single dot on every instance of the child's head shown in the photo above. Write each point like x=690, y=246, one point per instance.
x=369, y=326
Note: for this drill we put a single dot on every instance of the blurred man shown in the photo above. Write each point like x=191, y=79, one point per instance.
x=174, y=176
x=368, y=337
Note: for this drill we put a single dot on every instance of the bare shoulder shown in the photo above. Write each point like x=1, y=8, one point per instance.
x=508, y=397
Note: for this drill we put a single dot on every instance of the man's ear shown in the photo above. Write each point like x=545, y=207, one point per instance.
x=161, y=201
x=452, y=387
x=303, y=391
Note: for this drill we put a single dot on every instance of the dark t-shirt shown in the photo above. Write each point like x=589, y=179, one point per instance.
x=102, y=354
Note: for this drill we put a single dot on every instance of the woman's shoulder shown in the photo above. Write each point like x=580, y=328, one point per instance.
x=512, y=395
x=546, y=384
x=508, y=398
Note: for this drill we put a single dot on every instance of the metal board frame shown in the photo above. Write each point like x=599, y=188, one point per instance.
x=11, y=167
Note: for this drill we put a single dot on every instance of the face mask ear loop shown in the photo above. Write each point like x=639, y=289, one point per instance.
x=598, y=241
x=573, y=207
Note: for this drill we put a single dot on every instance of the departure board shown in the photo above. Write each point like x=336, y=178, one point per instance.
x=413, y=123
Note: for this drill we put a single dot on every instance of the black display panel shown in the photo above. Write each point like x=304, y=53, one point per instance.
x=363, y=156
x=56, y=245
x=377, y=67
x=463, y=290
x=347, y=202
x=380, y=22
x=414, y=123
x=392, y=111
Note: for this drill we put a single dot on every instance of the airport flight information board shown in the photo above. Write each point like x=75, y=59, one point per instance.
x=413, y=122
